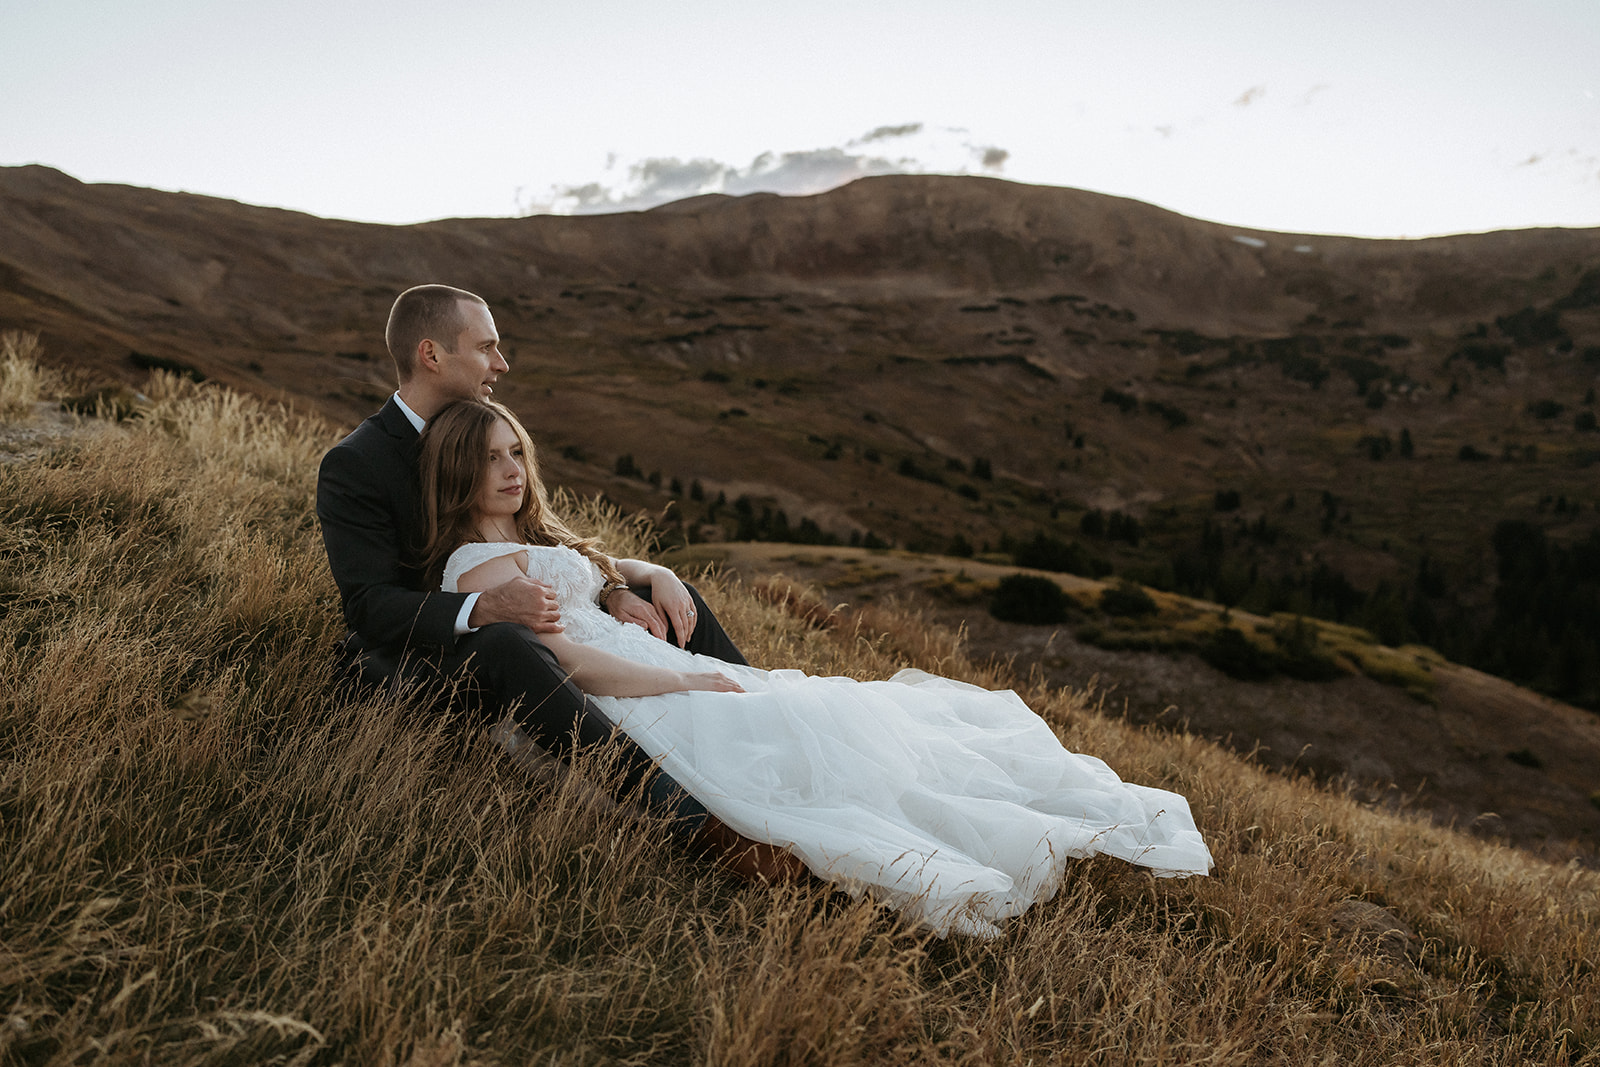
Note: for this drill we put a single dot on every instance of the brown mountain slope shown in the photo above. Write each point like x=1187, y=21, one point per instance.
x=1094, y=353
x=183, y=274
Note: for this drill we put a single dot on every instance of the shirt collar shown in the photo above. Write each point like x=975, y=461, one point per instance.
x=412, y=417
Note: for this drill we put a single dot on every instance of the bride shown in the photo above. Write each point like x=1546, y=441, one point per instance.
x=955, y=804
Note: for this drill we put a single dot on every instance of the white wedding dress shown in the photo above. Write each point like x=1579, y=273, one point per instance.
x=953, y=803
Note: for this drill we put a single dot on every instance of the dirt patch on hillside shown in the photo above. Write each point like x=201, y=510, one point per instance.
x=47, y=426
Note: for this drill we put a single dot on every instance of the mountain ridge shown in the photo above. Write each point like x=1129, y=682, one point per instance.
x=895, y=237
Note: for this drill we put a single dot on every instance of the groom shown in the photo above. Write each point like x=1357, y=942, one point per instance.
x=445, y=348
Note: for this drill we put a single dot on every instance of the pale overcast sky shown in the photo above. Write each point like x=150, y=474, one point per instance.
x=1368, y=117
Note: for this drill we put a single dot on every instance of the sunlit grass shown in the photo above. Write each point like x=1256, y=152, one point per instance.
x=212, y=852
x=1183, y=624
x=22, y=381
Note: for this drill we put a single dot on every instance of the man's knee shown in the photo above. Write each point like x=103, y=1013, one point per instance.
x=519, y=674
x=709, y=637
x=502, y=644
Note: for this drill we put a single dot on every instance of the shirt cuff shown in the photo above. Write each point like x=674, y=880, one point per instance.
x=462, y=626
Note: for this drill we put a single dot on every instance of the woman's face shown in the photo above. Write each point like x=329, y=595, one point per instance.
x=507, y=480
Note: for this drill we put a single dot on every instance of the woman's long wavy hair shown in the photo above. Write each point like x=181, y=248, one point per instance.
x=455, y=465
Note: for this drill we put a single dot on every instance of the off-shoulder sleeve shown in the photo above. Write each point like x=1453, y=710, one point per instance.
x=471, y=555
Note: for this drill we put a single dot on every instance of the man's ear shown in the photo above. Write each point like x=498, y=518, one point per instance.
x=427, y=355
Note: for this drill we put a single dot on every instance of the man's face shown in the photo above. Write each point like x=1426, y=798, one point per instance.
x=469, y=368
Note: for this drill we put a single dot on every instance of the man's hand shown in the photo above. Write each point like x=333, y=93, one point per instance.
x=627, y=606
x=520, y=600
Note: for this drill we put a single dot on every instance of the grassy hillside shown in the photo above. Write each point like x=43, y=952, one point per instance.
x=210, y=853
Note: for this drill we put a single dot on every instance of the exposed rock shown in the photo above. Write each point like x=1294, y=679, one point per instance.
x=1373, y=929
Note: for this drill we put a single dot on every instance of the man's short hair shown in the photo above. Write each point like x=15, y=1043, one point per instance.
x=424, y=312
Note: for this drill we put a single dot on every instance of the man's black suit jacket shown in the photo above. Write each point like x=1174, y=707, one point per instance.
x=369, y=504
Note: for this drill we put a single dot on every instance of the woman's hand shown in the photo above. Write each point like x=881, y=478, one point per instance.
x=710, y=682
x=669, y=609
x=627, y=606
x=671, y=598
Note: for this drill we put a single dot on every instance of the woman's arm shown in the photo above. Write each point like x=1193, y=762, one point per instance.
x=591, y=670
x=509, y=595
x=670, y=600
x=639, y=572
x=602, y=674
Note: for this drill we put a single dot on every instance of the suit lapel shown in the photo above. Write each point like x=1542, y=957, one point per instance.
x=395, y=423
x=405, y=475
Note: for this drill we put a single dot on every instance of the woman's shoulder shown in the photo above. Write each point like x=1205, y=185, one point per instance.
x=474, y=554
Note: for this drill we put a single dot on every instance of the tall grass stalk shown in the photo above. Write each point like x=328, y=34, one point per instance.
x=211, y=852
x=22, y=381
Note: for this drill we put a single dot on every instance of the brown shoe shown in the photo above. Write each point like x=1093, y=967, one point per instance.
x=753, y=860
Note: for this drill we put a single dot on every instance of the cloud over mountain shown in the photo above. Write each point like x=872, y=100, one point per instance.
x=908, y=148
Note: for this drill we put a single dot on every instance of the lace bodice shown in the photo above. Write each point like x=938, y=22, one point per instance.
x=576, y=581
x=566, y=570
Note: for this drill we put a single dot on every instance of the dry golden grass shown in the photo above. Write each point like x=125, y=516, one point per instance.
x=210, y=853
x=22, y=381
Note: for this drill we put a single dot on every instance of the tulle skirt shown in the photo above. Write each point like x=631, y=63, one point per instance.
x=955, y=804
